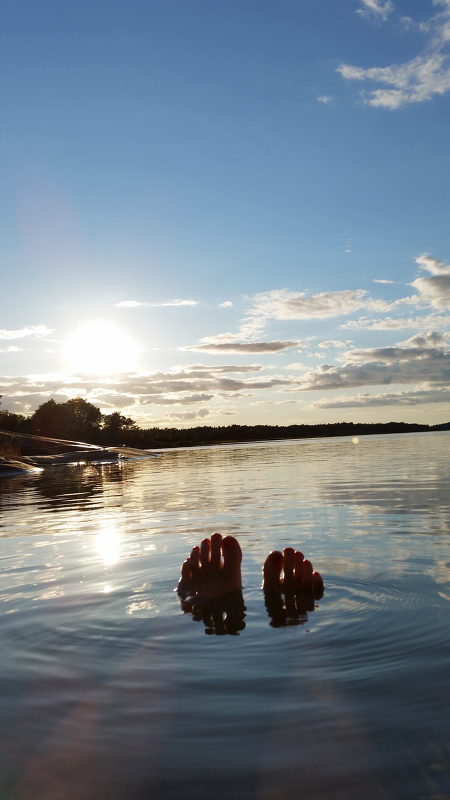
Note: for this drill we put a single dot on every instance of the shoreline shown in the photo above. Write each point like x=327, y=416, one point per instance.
x=26, y=453
x=22, y=453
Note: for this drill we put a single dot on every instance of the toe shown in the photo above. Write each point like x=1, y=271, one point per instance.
x=288, y=553
x=216, y=543
x=307, y=574
x=186, y=573
x=194, y=565
x=194, y=558
x=232, y=554
x=185, y=582
x=317, y=583
x=298, y=568
x=272, y=570
x=205, y=548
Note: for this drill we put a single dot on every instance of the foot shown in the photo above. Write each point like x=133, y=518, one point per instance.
x=290, y=572
x=212, y=570
x=290, y=587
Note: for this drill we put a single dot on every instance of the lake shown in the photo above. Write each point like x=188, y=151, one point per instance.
x=110, y=691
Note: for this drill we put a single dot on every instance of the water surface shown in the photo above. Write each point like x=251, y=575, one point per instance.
x=109, y=691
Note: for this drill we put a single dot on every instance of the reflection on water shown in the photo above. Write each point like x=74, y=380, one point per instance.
x=110, y=690
x=289, y=608
x=220, y=616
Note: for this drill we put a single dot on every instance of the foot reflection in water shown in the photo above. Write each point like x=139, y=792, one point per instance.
x=210, y=586
x=220, y=615
x=289, y=608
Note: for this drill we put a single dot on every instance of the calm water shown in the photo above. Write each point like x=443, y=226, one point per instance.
x=109, y=691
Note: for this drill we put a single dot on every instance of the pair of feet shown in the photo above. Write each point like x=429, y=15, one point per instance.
x=214, y=569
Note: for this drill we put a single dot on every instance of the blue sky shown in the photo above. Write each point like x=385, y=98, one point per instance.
x=222, y=211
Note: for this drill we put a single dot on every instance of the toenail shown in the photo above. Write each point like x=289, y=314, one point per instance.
x=275, y=555
x=228, y=542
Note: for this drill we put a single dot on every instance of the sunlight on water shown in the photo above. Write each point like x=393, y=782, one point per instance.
x=108, y=544
x=110, y=690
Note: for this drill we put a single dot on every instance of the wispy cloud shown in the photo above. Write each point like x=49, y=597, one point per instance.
x=188, y=416
x=396, y=324
x=333, y=344
x=325, y=99
x=166, y=304
x=11, y=349
x=382, y=280
x=283, y=304
x=377, y=8
x=414, y=397
x=36, y=331
x=414, y=81
x=225, y=304
x=242, y=347
x=187, y=385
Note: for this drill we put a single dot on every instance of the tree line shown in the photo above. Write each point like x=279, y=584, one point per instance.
x=79, y=420
x=75, y=419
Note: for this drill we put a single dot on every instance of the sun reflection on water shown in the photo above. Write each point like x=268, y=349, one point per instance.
x=108, y=544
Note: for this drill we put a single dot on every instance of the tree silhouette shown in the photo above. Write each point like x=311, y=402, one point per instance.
x=74, y=419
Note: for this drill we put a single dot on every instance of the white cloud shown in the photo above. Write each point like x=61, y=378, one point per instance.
x=37, y=331
x=430, y=339
x=226, y=304
x=382, y=280
x=412, y=398
x=11, y=349
x=334, y=344
x=283, y=304
x=242, y=347
x=189, y=385
x=416, y=80
x=188, y=415
x=187, y=399
x=325, y=99
x=383, y=365
x=434, y=290
x=167, y=304
x=377, y=8
x=178, y=302
x=296, y=365
x=394, y=324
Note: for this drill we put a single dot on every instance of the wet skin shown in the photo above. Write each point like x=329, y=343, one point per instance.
x=210, y=586
x=290, y=571
x=212, y=570
x=291, y=587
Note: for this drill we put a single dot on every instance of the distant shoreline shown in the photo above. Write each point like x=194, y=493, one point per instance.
x=32, y=450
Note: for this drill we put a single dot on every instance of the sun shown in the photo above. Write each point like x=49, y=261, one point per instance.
x=100, y=347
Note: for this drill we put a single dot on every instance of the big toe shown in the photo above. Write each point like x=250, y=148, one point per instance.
x=232, y=553
x=317, y=584
x=272, y=570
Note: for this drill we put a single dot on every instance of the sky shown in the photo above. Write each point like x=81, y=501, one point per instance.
x=226, y=211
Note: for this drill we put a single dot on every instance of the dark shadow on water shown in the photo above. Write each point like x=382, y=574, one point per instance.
x=290, y=607
x=220, y=616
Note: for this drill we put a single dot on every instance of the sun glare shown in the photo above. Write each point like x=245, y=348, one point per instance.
x=108, y=545
x=99, y=348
